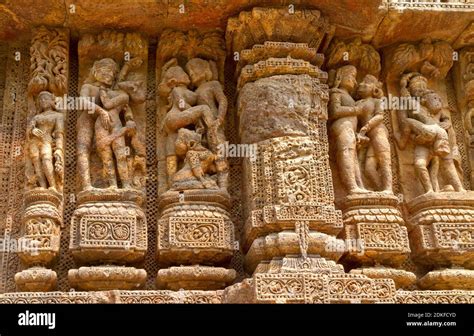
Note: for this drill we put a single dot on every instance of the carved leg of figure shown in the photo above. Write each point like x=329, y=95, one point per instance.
x=35, y=157
x=85, y=131
x=107, y=159
x=222, y=169
x=348, y=162
x=171, y=167
x=347, y=170
x=138, y=170
x=422, y=158
x=434, y=172
x=358, y=174
x=451, y=174
x=122, y=165
x=30, y=172
x=381, y=148
x=47, y=162
x=370, y=168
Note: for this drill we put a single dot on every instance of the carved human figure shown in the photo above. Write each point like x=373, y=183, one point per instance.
x=182, y=112
x=430, y=126
x=110, y=143
x=198, y=163
x=468, y=78
x=204, y=76
x=102, y=75
x=111, y=97
x=344, y=112
x=377, y=159
x=45, y=143
x=137, y=165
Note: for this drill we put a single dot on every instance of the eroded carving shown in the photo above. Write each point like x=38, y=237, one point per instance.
x=108, y=227
x=194, y=225
x=44, y=160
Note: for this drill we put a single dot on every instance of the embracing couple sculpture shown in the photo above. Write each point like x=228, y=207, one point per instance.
x=362, y=140
x=102, y=122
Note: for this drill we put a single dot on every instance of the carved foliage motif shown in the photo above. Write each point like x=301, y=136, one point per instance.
x=49, y=54
x=312, y=288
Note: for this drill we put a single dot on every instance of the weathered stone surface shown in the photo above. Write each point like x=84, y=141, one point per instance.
x=402, y=278
x=448, y=279
x=194, y=277
x=18, y=16
x=237, y=151
x=106, y=278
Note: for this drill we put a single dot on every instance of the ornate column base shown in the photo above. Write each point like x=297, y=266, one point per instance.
x=40, y=240
x=287, y=242
x=402, y=278
x=195, y=277
x=449, y=278
x=309, y=280
x=36, y=279
x=97, y=278
x=376, y=237
x=442, y=236
x=195, y=229
x=108, y=232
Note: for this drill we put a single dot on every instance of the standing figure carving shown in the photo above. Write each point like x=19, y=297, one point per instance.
x=373, y=137
x=108, y=97
x=430, y=129
x=344, y=114
x=45, y=144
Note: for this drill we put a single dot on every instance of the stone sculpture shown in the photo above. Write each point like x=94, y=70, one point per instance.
x=352, y=182
x=108, y=227
x=192, y=107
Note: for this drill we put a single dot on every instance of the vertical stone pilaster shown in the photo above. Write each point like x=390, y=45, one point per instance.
x=44, y=159
x=13, y=123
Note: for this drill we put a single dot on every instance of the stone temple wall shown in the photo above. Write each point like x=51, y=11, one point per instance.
x=237, y=152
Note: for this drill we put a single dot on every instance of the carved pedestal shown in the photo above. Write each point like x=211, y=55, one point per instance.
x=108, y=234
x=313, y=279
x=195, y=229
x=442, y=231
x=376, y=237
x=39, y=242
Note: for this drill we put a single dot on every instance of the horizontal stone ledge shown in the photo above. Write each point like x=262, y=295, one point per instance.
x=189, y=296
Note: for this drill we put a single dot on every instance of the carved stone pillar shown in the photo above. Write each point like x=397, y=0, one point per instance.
x=108, y=227
x=195, y=235
x=282, y=110
x=291, y=222
x=430, y=163
x=374, y=230
x=44, y=166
